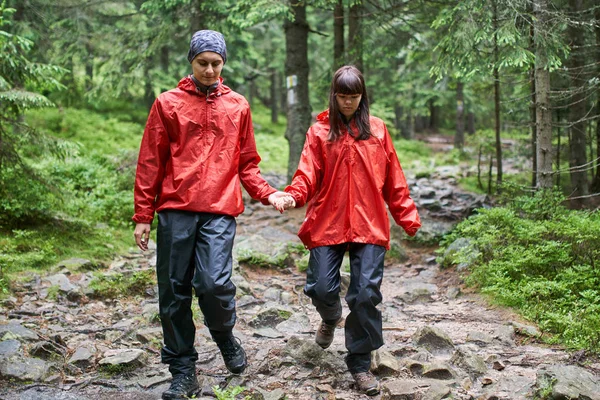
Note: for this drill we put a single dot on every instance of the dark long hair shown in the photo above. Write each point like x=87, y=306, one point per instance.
x=349, y=80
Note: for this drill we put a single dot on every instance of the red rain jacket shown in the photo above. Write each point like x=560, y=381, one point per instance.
x=347, y=183
x=194, y=153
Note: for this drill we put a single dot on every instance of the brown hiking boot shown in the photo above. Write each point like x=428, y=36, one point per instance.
x=366, y=383
x=325, y=334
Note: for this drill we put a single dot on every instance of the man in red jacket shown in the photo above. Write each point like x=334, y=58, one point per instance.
x=198, y=146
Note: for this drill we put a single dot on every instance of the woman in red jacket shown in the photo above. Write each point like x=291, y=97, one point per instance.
x=347, y=174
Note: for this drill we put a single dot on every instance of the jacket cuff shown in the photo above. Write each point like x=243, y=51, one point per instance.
x=142, y=219
x=265, y=200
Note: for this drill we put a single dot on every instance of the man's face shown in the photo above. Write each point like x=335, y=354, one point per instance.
x=207, y=67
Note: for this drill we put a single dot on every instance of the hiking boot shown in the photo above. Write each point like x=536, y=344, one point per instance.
x=366, y=383
x=325, y=334
x=183, y=386
x=233, y=354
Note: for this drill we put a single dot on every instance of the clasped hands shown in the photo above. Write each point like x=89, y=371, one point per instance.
x=281, y=201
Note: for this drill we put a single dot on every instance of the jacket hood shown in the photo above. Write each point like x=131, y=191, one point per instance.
x=188, y=85
x=323, y=117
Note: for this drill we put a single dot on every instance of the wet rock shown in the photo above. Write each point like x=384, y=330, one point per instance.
x=9, y=348
x=24, y=369
x=83, y=357
x=241, y=284
x=270, y=317
x=307, y=352
x=505, y=335
x=47, y=350
x=421, y=389
x=527, y=330
x=150, y=311
x=413, y=291
x=452, y=293
x=469, y=361
x=434, y=340
x=297, y=323
x=247, y=300
x=384, y=363
x=149, y=335
x=569, y=382
x=124, y=357
x=440, y=371
x=13, y=330
x=267, y=332
x=480, y=338
x=267, y=247
x=277, y=394
x=498, y=365
x=272, y=294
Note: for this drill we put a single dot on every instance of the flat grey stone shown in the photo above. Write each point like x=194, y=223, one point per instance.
x=9, y=347
x=569, y=382
x=434, y=340
x=24, y=369
x=268, y=332
x=13, y=330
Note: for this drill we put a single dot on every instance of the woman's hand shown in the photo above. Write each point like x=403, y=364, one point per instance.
x=142, y=235
x=282, y=201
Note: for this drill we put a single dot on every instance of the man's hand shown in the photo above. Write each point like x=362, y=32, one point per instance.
x=142, y=235
x=282, y=201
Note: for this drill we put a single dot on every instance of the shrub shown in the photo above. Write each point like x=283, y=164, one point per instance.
x=540, y=257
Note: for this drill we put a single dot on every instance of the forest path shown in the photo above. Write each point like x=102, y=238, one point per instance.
x=59, y=341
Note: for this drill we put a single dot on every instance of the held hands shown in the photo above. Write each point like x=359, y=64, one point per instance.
x=142, y=235
x=281, y=201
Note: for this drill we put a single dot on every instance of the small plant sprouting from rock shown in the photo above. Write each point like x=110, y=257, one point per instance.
x=228, y=394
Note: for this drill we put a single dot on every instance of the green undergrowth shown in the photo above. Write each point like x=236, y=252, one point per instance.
x=37, y=249
x=122, y=284
x=537, y=256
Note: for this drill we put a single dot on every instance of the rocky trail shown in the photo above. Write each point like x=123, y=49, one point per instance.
x=58, y=340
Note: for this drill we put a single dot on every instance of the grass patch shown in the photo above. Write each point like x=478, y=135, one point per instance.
x=38, y=249
x=119, y=285
x=542, y=259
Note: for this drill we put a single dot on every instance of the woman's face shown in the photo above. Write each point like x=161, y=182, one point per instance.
x=207, y=67
x=348, y=103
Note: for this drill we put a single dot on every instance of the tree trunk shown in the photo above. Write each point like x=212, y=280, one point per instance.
x=595, y=185
x=434, y=116
x=558, y=147
x=459, y=137
x=89, y=68
x=532, y=114
x=197, y=20
x=355, y=37
x=577, y=111
x=338, y=35
x=471, y=123
x=409, y=132
x=296, y=71
x=274, y=100
x=542, y=95
x=497, y=101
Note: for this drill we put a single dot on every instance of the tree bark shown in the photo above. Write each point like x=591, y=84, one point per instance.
x=355, y=37
x=532, y=113
x=471, y=123
x=296, y=71
x=497, y=100
x=338, y=35
x=542, y=95
x=459, y=137
x=434, y=116
x=577, y=111
x=595, y=185
x=274, y=98
x=197, y=22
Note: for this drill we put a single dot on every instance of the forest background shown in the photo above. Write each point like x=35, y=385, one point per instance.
x=77, y=78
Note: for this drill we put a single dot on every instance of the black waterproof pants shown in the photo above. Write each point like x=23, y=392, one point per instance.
x=193, y=250
x=363, y=324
